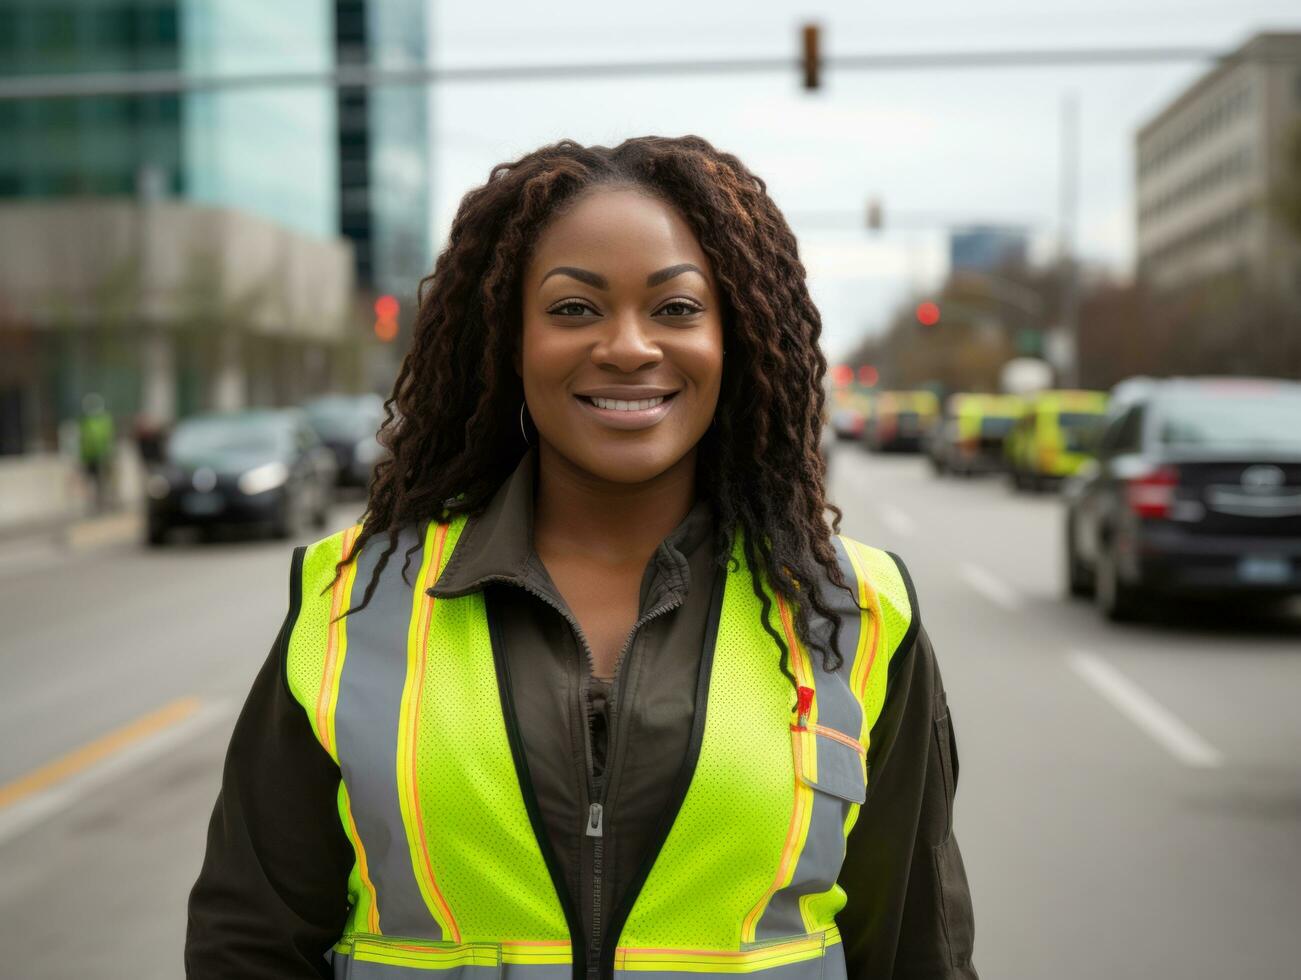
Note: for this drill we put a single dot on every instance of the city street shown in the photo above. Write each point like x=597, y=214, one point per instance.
x=1129, y=803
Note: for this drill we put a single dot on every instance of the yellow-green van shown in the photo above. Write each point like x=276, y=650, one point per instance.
x=901, y=420
x=1051, y=439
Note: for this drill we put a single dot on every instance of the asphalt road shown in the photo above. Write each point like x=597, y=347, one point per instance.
x=1129, y=803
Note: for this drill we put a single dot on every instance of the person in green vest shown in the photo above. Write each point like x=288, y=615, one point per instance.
x=95, y=445
x=595, y=688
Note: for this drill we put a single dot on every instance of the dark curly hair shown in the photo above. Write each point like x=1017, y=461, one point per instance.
x=451, y=422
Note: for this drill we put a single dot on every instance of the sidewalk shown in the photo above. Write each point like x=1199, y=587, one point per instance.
x=45, y=504
x=81, y=533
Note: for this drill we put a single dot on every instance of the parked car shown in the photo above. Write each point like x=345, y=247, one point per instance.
x=901, y=421
x=847, y=423
x=264, y=467
x=1196, y=489
x=1051, y=440
x=348, y=424
x=969, y=438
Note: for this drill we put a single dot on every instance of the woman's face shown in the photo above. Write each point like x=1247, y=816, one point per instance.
x=622, y=352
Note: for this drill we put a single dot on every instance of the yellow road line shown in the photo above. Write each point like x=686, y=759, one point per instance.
x=88, y=755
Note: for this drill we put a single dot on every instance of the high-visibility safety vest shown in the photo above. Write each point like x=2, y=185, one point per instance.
x=412, y=700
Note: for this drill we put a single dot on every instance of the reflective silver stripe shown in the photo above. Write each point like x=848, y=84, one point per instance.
x=347, y=968
x=829, y=966
x=366, y=734
x=840, y=775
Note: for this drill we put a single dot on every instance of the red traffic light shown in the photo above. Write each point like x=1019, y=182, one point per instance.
x=386, y=318
x=868, y=376
x=842, y=375
x=928, y=314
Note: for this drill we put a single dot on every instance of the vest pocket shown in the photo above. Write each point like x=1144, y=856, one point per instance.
x=830, y=761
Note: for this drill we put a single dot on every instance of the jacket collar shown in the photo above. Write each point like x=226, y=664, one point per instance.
x=496, y=545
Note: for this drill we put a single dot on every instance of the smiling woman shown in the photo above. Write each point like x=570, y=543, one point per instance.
x=616, y=707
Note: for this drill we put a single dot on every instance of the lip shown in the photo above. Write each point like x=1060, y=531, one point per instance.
x=642, y=418
x=627, y=393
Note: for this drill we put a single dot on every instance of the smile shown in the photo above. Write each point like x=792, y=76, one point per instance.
x=627, y=413
x=622, y=406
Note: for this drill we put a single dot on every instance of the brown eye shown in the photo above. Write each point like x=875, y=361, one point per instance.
x=572, y=307
x=679, y=307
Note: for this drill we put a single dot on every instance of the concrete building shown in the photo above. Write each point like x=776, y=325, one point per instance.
x=164, y=309
x=1206, y=168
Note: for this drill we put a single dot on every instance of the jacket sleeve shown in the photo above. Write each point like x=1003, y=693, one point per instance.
x=272, y=896
x=908, y=914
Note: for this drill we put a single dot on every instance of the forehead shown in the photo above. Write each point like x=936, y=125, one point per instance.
x=611, y=229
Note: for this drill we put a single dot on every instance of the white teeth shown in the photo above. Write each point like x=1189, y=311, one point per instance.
x=619, y=405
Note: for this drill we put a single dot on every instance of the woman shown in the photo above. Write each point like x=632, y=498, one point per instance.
x=594, y=687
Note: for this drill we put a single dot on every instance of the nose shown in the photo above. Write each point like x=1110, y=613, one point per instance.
x=625, y=344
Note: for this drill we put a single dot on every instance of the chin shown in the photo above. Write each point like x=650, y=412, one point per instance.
x=629, y=464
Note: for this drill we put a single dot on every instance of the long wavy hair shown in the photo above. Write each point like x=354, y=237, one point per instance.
x=451, y=424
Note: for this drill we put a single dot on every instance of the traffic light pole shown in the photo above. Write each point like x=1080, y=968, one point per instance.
x=363, y=76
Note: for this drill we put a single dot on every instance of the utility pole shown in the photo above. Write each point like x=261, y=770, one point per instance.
x=1068, y=219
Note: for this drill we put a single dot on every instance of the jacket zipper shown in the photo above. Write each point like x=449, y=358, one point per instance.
x=599, y=789
x=594, y=825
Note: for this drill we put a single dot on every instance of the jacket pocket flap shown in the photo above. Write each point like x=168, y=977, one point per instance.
x=830, y=761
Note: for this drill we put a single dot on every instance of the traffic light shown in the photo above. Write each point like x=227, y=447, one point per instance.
x=386, y=317
x=812, y=57
x=928, y=313
x=868, y=375
x=842, y=375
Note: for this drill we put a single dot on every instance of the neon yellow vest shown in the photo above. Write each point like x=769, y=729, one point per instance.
x=407, y=697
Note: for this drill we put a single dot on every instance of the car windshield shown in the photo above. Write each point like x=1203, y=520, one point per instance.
x=242, y=434
x=1265, y=418
x=345, y=418
x=1078, y=420
x=994, y=425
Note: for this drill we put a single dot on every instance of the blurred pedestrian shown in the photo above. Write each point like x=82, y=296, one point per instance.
x=595, y=687
x=95, y=441
x=150, y=436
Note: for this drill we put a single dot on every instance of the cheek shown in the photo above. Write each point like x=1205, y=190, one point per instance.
x=544, y=356
x=702, y=361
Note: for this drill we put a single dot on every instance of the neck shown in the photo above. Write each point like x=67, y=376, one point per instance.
x=578, y=513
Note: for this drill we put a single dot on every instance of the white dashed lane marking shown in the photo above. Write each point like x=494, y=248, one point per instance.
x=1144, y=711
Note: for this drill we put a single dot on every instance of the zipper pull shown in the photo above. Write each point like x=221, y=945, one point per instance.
x=804, y=704
x=595, y=820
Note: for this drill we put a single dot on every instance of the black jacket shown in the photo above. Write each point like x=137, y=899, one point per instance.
x=272, y=896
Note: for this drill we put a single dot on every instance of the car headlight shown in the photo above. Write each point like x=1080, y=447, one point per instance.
x=368, y=451
x=158, y=487
x=260, y=479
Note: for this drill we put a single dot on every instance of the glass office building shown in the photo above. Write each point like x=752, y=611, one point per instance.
x=270, y=151
x=384, y=167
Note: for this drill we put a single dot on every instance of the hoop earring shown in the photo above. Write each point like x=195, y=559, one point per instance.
x=523, y=431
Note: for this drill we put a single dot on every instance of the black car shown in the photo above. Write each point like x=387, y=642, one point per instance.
x=1196, y=490
x=264, y=467
x=348, y=424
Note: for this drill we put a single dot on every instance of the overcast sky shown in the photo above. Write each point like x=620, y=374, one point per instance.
x=958, y=145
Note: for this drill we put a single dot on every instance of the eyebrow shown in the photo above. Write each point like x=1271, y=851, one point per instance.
x=664, y=275
x=593, y=279
x=598, y=281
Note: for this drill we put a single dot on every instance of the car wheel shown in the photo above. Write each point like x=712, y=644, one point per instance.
x=289, y=519
x=1079, y=579
x=155, y=534
x=322, y=516
x=1116, y=599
